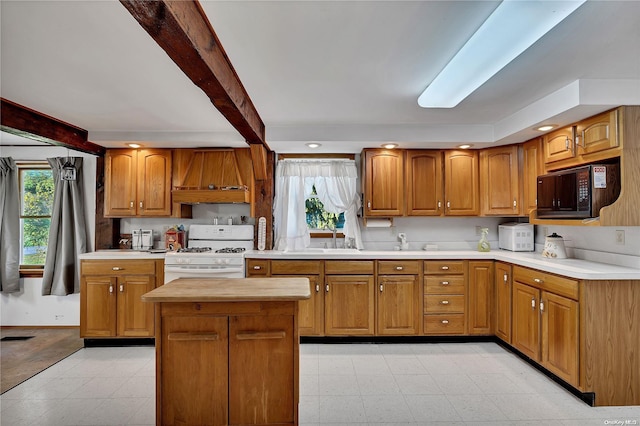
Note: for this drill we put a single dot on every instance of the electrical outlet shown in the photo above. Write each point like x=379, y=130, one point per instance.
x=478, y=229
x=620, y=237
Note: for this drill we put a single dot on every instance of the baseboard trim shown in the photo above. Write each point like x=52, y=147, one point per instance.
x=116, y=342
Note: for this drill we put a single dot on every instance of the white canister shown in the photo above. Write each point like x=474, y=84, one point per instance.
x=554, y=247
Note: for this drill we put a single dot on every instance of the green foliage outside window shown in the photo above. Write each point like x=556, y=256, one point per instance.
x=318, y=217
x=36, y=194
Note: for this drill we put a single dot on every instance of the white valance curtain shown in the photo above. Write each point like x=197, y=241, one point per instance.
x=68, y=232
x=9, y=226
x=335, y=182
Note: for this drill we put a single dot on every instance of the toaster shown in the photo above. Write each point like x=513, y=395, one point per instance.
x=142, y=239
x=516, y=236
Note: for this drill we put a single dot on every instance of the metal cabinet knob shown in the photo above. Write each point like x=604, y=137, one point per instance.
x=445, y=321
x=444, y=268
x=117, y=268
x=399, y=268
x=444, y=282
x=444, y=302
x=257, y=268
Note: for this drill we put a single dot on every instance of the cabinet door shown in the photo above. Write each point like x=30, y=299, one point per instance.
x=398, y=305
x=480, y=297
x=597, y=133
x=135, y=317
x=195, y=378
x=261, y=356
x=525, y=327
x=533, y=167
x=424, y=183
x=120, y=183
x=461, y=183
x=500, y=181
x=383, y=183
x=311, y=311
x=559, y=145
x=503, y=301
x=560, y=336
x=154, y=182
x=97, y=306
x=349, y=305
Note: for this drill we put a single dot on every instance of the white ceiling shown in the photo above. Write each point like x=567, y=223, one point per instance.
x=344, y=73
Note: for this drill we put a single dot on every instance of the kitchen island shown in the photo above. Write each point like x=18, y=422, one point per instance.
x=227, y=350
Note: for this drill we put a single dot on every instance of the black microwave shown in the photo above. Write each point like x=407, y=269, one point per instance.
x=578, y=193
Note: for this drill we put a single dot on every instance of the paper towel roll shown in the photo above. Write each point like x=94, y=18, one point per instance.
x=378, y=222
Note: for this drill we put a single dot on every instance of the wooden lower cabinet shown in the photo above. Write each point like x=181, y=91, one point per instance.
x=110, y=291
x=445, y=290
x=525, y=326
x=228, y=364
x=503, y=301
x=560, y=336
x=349, y=305
x=480, y=321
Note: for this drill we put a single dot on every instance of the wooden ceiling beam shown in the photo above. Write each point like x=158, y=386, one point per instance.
x=22, y=121
x=182, y=29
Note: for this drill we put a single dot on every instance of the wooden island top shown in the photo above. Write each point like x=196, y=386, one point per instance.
x=230, y=290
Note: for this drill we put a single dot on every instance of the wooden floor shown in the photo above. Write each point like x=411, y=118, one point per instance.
x=22, y=359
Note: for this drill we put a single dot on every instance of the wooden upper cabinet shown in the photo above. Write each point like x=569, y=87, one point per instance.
x=500, y=181
x=532, y=167
x=120, y=182
x=137, y=182
x=424, y=183
x=154, y=182
x=559, y=145
x=383, y=182
x=598, y=133
x=461, y=183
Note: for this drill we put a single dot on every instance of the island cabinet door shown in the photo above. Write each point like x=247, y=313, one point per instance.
x=261, y=370
x=194, y=370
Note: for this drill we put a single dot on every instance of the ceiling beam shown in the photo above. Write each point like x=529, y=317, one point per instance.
x=182, y=29
x=22, y=121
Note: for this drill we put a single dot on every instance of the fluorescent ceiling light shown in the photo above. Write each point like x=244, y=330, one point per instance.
x=510, y=30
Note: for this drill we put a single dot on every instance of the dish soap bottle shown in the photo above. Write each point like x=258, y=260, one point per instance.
x=483, y=244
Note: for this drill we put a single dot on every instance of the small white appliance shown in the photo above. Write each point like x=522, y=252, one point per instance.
x=516, y=236
x=142, y=239
x=213, y=251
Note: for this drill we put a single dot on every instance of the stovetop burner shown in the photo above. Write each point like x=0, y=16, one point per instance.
x=231, y=250
x=194, y=250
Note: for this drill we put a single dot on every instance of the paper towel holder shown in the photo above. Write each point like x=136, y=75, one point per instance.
x=378, y=222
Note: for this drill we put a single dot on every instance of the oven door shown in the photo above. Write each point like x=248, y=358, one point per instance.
x=173, y=272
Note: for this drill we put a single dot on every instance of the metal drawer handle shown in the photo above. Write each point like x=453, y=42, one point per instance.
x=445, y=321
x=327, y=288
x=257, y=268
x=533, y=302
x=538, y=280
x=399, y=268
x=505, y=278
x=317, y=288
x=444, y=282
x=121, y=288
x=381, y=288
x=444, y=268
x=444, y=302
x=541, y=306
x=264, y=335
x=111, y=288
x=117, y=268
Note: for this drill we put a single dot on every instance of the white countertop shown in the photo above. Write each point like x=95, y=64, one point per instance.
x=574, y=268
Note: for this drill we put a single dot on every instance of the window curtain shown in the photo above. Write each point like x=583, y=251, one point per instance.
x=68, y=233
x=335, y=182
x=9, y=226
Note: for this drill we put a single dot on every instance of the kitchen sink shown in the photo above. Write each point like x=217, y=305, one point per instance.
x=324, y=251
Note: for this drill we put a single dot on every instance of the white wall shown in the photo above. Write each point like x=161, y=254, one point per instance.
x=29, y=307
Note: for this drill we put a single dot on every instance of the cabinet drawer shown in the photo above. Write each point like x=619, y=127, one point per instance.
x=257, y=267
x=347, y=267
x=117, y=267
x=444, y=284
x=553, y=283
x=444, y=324
x=298, y=267
x=444, y=303
x=444, y=267
x=399, y=267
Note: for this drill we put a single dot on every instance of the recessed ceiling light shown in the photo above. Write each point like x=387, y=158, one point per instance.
x=465, y=146
x=546, y=127
x=510, y=30
x=390, y=145
x=313, y=145
x=134, y=145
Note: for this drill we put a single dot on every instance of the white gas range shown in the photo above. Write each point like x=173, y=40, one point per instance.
x=213, y=251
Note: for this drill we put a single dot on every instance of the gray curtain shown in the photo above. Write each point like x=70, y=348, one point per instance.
x=9, y=226
x=68, y=233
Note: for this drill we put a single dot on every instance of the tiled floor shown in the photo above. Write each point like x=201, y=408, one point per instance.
x=390, y=384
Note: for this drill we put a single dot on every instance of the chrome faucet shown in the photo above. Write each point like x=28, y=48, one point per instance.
x=334, y=230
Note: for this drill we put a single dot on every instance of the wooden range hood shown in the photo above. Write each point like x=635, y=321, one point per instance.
x=212, y=176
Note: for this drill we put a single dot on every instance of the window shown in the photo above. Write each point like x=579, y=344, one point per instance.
x=318, y=217
x=36, y=201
